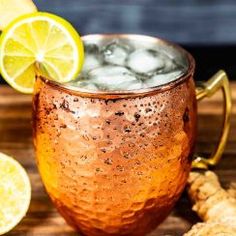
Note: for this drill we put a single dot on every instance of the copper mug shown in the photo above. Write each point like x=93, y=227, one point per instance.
x=115, y=163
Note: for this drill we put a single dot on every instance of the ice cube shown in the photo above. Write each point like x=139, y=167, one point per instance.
x=126, y=86
x=132, y=85
x=90, y=62
x=91, y=48
x=147, y=61
x=92, y=57
x=161, y=79
x=170, y=65
x=115, y=53
x=111, y=77
x=86, y=85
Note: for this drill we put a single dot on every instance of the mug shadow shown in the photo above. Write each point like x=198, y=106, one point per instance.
x=183, y=209
x=179, y=221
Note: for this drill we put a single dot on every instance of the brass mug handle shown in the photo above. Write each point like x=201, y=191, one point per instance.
x=207, y=89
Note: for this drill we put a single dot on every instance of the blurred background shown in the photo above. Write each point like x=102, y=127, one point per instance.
x=206, y=28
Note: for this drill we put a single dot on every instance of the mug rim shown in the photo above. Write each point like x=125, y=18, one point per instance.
x=126, y=93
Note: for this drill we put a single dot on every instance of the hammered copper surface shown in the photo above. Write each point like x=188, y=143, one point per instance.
x=114, y=166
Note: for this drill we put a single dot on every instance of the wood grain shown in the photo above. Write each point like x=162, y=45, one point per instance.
x=42, y=218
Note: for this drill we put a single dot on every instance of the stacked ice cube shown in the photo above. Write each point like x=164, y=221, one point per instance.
x=119, y=66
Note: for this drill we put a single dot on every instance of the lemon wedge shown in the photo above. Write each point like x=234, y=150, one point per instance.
x=11, y=9
x=41, y=38
x=15, y=193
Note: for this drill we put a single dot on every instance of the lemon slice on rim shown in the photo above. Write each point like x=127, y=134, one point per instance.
x=43, y=38
x=15, y=193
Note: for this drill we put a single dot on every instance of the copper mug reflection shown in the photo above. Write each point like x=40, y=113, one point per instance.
x=115, y=163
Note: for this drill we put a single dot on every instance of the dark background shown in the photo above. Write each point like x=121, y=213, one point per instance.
x=206, y=28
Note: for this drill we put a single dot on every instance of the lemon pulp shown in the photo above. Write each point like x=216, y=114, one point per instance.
x=15, y=193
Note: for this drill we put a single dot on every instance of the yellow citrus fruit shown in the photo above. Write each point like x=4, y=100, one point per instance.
x=15, y=193
x=11, y=9
x=44, y=39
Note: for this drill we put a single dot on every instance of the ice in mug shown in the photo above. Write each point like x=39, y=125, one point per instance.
x=122, y=65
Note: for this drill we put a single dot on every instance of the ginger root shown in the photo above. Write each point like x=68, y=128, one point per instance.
x=232, y=190
x=214, y=205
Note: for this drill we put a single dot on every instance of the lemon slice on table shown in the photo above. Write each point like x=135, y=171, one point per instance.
x=42, y=38
x=15, y=193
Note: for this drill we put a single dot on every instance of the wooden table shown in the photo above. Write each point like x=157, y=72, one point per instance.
x=43, y=220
